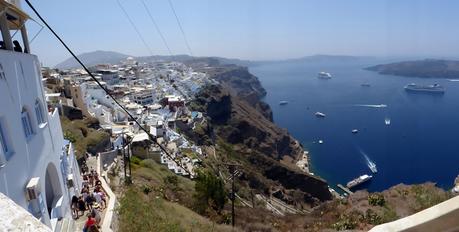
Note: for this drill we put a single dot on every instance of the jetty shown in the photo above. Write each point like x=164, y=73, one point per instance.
x=348, y=191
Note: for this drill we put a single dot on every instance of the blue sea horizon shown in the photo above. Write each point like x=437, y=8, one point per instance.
x=420, y=144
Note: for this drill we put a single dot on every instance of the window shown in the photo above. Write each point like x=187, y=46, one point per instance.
x=5, y=147
x=39, y=113
x=27, y=126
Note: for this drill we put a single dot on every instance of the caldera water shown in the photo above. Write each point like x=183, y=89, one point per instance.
x=420, y=144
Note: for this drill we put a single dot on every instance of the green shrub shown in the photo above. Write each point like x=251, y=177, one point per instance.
x=376, y=199
x=135, y=160
x=210, y=192
x=148, y=163
x=389, y=215
x=146, y=189
x=372, y=217
x=345, y=222
x=69, y=136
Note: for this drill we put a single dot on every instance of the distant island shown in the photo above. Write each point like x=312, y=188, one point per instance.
x=111, y=57
x=429, y=68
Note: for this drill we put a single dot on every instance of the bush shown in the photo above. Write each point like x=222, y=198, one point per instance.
x=346, y=222
x=376, y=199
x=210, y=192
x=148, y=163
x=69, y=136
x=172, y=180
x=135, y=160
x=372, y=217
x=146, y=189
x=389, y=215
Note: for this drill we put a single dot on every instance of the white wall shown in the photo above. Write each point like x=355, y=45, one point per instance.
x=21, y=87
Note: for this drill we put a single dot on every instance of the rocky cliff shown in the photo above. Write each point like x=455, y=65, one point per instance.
x=237, y=80
x=267, y=151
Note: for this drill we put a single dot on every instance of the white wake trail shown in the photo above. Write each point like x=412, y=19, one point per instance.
x=372, y=106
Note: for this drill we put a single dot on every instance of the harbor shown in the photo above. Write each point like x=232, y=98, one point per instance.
x=346, y=190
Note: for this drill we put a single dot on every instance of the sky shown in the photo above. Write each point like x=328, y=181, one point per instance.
x=250, y=29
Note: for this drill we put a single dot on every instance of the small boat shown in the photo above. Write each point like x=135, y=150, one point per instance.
x=359, y=180
x=372, y=166
x=319, y=115
x=365, y=85
x=387, y=121
x=321, y=141
x=355, y=131
x=324, y=75
x=283, y=103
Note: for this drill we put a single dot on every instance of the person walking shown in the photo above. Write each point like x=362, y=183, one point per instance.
x=75, y=206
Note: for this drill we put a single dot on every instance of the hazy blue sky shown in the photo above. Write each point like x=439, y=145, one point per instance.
x=251, y=29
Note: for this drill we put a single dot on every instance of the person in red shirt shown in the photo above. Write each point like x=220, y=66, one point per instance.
x=89, y=223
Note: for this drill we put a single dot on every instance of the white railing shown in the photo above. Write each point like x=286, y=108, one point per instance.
x=440, y=217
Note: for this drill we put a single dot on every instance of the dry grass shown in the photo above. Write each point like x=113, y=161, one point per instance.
x=82, y=135
x=140, y=212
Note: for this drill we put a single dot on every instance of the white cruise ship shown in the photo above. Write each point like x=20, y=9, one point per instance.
x=435, y=88
x=359, y=180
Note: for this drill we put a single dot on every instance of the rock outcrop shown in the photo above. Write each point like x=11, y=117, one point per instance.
x=238, y=81
x=269, y=151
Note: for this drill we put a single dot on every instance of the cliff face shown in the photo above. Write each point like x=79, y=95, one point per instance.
x=267, y=151
x=238, y=81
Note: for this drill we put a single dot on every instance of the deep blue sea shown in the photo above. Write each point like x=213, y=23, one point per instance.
x=421, y=143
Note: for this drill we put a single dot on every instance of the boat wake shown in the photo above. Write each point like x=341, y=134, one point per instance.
x=371, y=165
x=372, y=106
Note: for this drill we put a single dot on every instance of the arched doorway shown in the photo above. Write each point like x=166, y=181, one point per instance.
x=53, y=189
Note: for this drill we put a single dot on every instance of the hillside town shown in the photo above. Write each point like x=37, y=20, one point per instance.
x=105, y=141
x=155, y=94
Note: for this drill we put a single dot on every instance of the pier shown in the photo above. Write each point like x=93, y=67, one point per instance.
x=348, y=191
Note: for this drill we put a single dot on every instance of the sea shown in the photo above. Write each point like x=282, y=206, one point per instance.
x=420, y=144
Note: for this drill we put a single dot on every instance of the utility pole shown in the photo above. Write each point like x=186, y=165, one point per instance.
x=124, y=155
x=232, y=169
x=232, y=197
x=129, y=160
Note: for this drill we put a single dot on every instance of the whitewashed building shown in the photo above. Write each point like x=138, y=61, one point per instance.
x=38, y=170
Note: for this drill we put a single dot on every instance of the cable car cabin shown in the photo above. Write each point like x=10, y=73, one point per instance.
x=12, y=26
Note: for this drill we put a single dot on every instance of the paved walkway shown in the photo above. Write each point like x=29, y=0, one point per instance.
x=91, y=162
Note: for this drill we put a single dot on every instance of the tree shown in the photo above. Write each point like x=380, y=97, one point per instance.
x=210, y=192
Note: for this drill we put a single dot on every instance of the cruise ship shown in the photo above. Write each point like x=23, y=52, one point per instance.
x=283, y=103
x=359, y=180
x=435, y=88
x=324, y=75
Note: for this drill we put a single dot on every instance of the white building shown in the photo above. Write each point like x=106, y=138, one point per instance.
x=37, y=171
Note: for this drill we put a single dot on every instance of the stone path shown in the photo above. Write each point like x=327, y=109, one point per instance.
x=91, y=162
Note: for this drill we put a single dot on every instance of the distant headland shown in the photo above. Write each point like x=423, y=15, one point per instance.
x=428, y=68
